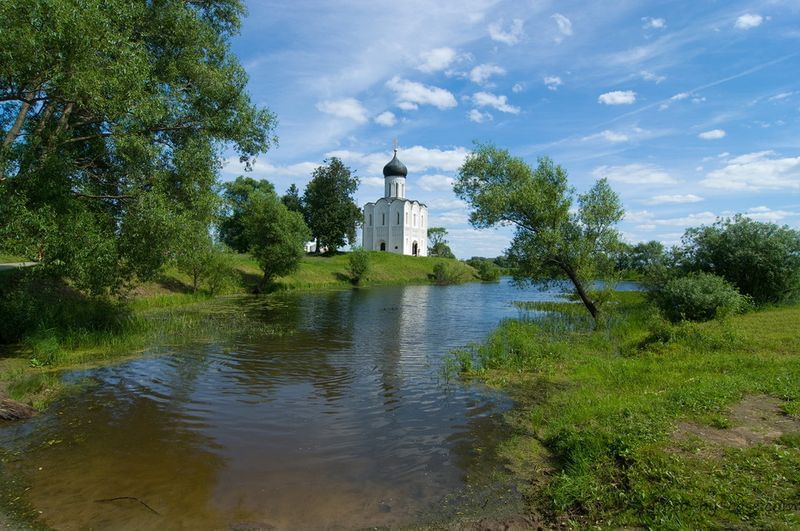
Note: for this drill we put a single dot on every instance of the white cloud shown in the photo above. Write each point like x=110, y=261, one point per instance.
x=650, y=76
x=518, y=87
x=781, y=96
x=677, y=97
x=764, y=213
x=618, y=97
x=482, y=73
x=412, y=93
x=756, y=171
x=436, y=182
x=487, y=99
x=445, y=204
x=479, y=117
x=610, y=136
x=436, y=59
x=374, y=182
x=564, y=25
x=349, y=108
x=645, y=174
x=673, y=199
x=511, y=36
x=407, y=106
x=232, y=166
x=748, y=21
x=714, y=134
x=418, y=159
x=386, y=118
x=654, y=23
x=552, y=82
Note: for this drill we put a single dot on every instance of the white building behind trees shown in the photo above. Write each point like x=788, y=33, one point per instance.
x=394, y=223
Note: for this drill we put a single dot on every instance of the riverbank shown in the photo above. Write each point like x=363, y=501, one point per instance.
x=647, y=424
x=73, y=330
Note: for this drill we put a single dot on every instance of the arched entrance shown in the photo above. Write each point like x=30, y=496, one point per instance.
x=383, y=246
x=414, y=249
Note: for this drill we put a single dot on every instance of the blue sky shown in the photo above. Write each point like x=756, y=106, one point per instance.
x=690, y=108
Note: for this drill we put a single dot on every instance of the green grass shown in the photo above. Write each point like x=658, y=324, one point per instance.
x=596, y=410
x=10, y=258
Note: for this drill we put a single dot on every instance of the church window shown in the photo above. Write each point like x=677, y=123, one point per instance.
x=383, y=219
x=398, y=218
x=406, y=218
x=415, y=220
x=370, y=220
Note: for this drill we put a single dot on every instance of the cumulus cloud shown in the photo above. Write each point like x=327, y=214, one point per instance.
x=552, y=82
x=440, y=183
x=608, y=135
x=233, y=166
x=518, y=87
x=673, y=199
x=349, y=108
x=479, y=117
x=510, y=36
x=564, y=25
x=650, y=76
x=748, y=21
x=645, y=174
x=386, y=118
x=617, y=97
x=714, y=134
x=418, y=159
x=436, y=59
x=764, y=213
x=654, y=23
x=482, y=73
x=499, y=102
x=410, y=94
x=761, y=170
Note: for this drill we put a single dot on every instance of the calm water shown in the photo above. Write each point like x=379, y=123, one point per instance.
x=345, y=422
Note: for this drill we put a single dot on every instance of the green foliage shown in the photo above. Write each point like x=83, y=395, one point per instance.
x=698, y=297
x=113, y=116
x=550, y=241
x=597, y=438
x=639, y=258
x=329, y=207
x=437, y=244
x=236, y=197
x=276, y=236
x=292, y=199
x=761, y=259
x=445, y=273
x=358, y=264
x=487, y=270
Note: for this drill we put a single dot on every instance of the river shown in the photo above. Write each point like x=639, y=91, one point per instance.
x=345, y=421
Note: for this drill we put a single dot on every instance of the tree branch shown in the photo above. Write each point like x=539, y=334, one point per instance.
x=13, y=133
x=112, y=197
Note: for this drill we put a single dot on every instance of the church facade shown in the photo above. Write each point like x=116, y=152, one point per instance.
x=393, y=223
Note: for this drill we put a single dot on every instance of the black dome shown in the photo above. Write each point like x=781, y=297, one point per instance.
x=395, y=168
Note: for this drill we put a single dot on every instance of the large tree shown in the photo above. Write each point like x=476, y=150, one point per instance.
x=330, y=210
x=113, y=118
x=236, y=197
x=551, y=240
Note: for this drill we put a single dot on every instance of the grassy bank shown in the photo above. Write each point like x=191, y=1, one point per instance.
x=642, y=423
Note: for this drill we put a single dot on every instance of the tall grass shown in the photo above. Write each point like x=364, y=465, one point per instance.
x=596, y=409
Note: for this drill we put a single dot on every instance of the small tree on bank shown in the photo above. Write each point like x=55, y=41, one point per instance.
x=328, y=205
x=275, y=235
x=550, y=241
x=358, y=263
x=437, y=244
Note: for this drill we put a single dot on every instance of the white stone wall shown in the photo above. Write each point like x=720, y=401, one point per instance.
x=394, y=187
x=397, y=223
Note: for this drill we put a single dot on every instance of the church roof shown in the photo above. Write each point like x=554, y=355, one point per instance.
x=395, y=168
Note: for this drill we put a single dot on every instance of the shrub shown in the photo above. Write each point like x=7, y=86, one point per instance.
x=444, y=274
x=358, y=262
x=487, y=270
x=698, y=297
x=761, y=259
x=220, y=275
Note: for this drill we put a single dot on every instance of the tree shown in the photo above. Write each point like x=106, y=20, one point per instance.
x=761, y=259
x=358, y=263
x=292, y=199
x=330, y=210
x=437, y=245
x=640, y=257
x=194, y=251
x=113, y=115
x=236, y=198
x=550, y=240
x=276, y=236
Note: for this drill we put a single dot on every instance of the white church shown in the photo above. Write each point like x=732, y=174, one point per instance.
x=394, y=223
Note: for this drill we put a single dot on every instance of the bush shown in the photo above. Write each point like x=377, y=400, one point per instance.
x=358, y=262
x=761, y=259
x=698, y=297
x=487, y=270
x=444, y=274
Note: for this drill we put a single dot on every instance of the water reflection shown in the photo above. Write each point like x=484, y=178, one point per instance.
x=343, y=422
